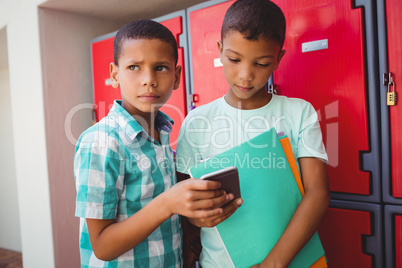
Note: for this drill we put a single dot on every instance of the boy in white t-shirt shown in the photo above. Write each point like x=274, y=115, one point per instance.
x=253, y=33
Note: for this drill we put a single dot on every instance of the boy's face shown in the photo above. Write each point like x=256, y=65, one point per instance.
x=248, y=64
x=146, y=74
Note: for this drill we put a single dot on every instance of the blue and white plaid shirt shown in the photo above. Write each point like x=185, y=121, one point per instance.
x=119, y=169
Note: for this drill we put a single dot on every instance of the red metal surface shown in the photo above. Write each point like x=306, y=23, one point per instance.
x=332, y=80
x=175, y=107
x=398, y=241
x=341, y=233
x=104, y=95
x=394, y=11
x=209, y=82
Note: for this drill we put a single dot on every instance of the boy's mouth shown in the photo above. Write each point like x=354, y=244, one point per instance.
x=149, y=97
x=244, y=89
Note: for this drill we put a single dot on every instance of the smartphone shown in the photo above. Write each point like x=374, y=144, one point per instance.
x=229, y=179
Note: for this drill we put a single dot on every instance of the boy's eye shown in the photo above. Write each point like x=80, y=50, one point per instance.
x=263, y=65
x=133, y=67
x=233, y=60
x=161, y=68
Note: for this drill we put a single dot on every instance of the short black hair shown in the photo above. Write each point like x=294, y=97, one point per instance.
x=255, y=19
x=143, y=29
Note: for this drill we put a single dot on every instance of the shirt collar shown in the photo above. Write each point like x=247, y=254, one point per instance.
x=131, y=127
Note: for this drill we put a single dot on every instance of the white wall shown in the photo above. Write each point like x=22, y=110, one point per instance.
x=67, y=84
x=27, y=108
x=49, y=76
x=10, y=236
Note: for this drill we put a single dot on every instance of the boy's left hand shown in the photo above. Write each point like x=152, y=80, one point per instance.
x=212, y=221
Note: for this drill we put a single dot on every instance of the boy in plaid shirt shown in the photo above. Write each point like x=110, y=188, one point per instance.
x=127, y=196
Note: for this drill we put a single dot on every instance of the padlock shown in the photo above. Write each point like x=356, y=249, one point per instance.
x=391, y=95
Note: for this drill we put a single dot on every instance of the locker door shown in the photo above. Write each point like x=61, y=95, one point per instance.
x=105, y=94
x=176, y=107
x=393, y=235
x=394, y=9
x=351, y=234
x=208, y=79
x=325, y=65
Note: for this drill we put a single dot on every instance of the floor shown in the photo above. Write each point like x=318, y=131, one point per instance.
x=10, y=259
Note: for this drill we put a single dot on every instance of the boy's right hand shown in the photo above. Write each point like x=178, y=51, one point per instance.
x=200, y=199
x=212, y=221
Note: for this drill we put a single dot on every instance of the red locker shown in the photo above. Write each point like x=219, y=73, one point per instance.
x=105, y=94
x=394, y=23
x=398, y=240
x=324, y=64
x=351, y=233
x=393, y=235
x=332, y=79
x=208, y=79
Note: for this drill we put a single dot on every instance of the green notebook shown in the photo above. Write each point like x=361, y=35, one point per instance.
x=270, y=195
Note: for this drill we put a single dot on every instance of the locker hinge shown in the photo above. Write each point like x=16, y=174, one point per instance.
x=391, y=87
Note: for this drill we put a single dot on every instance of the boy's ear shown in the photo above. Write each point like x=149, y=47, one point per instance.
x=177, y=77
x=280, y=56
x=220, y=48
x=114, y=70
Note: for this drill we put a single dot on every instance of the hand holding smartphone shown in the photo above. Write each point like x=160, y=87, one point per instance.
x=229, y=179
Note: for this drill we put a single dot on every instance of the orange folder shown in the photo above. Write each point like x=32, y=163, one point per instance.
x=321, y=262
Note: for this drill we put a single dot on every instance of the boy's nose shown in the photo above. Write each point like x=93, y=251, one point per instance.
x=246, y=74
x=149, y=79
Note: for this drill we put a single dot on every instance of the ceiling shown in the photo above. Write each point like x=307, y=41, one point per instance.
x=121, y=10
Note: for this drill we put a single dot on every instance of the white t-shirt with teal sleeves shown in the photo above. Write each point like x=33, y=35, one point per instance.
x=216, y=127
x=119, y=169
